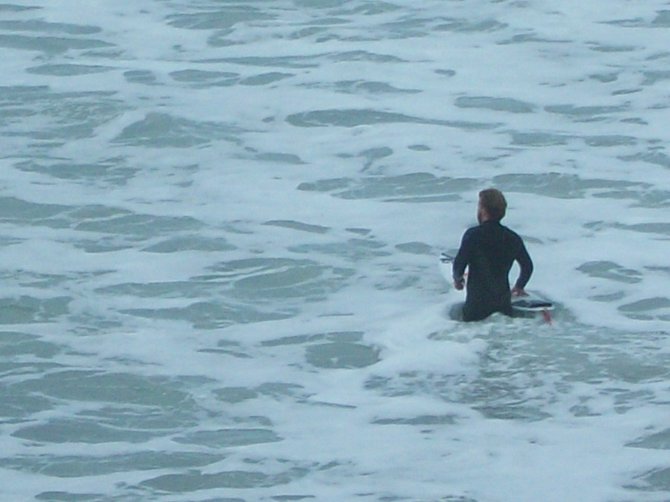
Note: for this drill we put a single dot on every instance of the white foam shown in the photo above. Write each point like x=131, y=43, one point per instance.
x=432, y=409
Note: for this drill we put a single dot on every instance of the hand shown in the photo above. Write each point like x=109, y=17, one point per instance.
x=518, y=292
x=459, y=284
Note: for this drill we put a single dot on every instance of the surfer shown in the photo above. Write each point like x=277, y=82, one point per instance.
x=488, y=251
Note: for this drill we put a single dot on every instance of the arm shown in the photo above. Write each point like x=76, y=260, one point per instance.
x=526, y=264
x=461, y=261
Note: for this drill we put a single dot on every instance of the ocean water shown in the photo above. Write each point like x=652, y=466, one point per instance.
x=219, y=230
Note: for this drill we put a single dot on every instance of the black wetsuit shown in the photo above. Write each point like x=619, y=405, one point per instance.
x=489, y=250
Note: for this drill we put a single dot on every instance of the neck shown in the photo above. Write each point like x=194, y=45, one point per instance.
x=482, y=217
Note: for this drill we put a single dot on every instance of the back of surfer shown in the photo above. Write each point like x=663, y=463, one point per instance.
x=488, y=252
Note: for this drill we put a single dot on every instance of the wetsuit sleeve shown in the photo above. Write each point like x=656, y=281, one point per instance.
x=462, y=257
x=526, y=264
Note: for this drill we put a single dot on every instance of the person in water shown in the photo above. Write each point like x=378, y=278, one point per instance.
x=488, y=252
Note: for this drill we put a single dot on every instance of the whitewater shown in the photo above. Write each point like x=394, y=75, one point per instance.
x=220, y=223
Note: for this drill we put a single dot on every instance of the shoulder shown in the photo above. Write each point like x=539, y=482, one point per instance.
x=469, y=238
x=512, y=233
x=471, y=232
x=509, y=230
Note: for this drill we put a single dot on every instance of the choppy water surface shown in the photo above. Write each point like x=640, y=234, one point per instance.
x=219, y=230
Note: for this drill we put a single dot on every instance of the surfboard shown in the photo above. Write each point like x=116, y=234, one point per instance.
x=523, y=305
x=531, y=303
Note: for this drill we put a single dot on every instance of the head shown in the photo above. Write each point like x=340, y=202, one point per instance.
x=492, y=205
